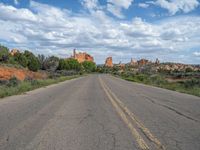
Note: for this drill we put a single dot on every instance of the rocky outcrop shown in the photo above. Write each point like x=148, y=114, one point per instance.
x=108, y=62
x=7, y=73
x=177, y=67
x=81, y=57
x=14, y=51
x=133, y=62
x=157, y=62
x=142, y=62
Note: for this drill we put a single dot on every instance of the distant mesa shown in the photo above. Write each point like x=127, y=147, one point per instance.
x=81, y=57
x=109, y=62
x=156, y=65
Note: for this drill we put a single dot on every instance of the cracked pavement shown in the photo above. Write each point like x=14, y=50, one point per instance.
x=77, y=115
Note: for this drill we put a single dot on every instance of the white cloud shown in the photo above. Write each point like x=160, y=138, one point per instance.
x=178, y=5
x=143, y=5
x=197, y=54
x=90, y=4
x=115, y=10
x=53, y=31
x=16, y=2
x=116, y=6
x=12, y=13
x=121, y=3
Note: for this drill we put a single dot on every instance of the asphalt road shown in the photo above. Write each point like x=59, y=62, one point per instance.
x=100, y=112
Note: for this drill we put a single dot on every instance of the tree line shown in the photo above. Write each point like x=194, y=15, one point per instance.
x=28, y=60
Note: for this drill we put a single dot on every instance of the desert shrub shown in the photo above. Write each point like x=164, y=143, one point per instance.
x=34, y=82
x=141, y=77
x=51, y=63
x=11, y=60
x=157, y=80
x=67, y=72
x=192, y=83
x=128, y=74
x=4, y=82
x=13, y=82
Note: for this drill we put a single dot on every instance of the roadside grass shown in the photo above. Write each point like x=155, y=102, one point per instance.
x=17, y=87
x=191, y=86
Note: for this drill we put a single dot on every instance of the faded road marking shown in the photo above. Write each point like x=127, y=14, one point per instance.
x=142, y=144
x=145, y=130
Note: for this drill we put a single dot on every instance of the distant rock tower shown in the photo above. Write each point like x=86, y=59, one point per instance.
x=108, y=62
x=133, y=62
x=74, y=53
x=81, y=57
x=157, y=62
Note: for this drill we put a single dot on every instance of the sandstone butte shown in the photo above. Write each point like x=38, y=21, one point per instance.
x=81, y=57
x=7, y=73
x=108, y=62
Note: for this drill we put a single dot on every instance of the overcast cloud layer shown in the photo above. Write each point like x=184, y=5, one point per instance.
x=102, y=31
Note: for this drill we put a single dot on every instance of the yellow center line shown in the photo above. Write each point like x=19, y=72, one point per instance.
x=145, y=130
x=142, y=144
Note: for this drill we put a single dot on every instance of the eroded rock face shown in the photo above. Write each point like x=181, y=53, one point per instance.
x=108, y=62
x=7, y=73
x=13, y=52
x=142, y=62
x=133, y=62
x=81, y=57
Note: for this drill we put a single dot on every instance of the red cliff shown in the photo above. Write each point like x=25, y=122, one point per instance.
x=108, y=62
x=81, y=57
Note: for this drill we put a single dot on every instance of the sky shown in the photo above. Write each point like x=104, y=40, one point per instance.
x=124, y=29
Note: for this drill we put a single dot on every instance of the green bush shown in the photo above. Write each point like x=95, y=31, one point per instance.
x=89, y=66
x=192, y=83
x=4, y=53
x=21, y=59
x=13, y=82
x=73, y=64
x=33, y=62
x=63, y=65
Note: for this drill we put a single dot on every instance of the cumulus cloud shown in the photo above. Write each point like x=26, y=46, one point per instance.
x=121, y=3
x=12, y=13
x=178, y=5
x=54, y=31
x=143, y=5
x=16, y=2
x=90, y=4
x=116, y=6
x=197, y=54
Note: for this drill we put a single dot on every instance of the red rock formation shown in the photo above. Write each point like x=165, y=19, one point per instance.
x=142, y=62
x=133, y=62
x=14, y=52
x=108, y=62
x=81, y=57
x=7, y=73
